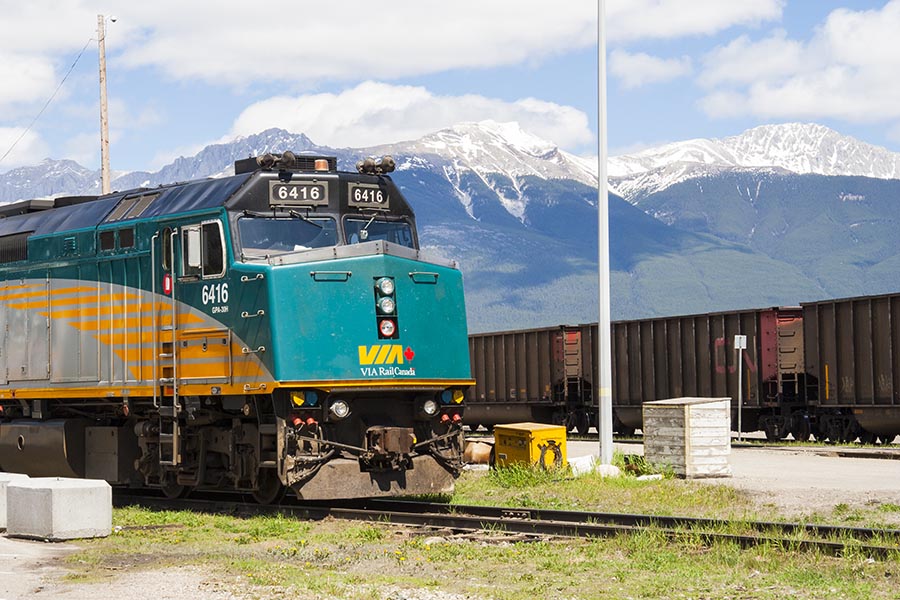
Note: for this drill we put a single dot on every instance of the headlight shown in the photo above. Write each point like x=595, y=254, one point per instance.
x=385, y=285
x=386, y=305
x=430, y=407
x=339, y=409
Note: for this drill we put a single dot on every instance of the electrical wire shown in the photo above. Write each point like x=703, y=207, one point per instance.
x=46, y=104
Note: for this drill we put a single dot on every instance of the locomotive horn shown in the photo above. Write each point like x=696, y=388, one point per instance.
x=366, y=166
x=266, y=161
x=287, y=159
x=387, y=164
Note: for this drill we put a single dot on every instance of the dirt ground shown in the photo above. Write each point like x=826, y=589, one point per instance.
x=789, y=481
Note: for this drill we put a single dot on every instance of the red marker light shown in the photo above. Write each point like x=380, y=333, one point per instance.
x=167, y=284
x=387, y=328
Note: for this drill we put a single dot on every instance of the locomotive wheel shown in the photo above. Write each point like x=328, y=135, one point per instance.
x=172, y=490
x=582, y=422
x=270, y=489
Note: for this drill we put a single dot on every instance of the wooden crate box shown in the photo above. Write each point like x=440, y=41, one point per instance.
x=691, y=435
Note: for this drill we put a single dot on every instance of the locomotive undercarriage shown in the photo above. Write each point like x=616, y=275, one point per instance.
x=260, y=445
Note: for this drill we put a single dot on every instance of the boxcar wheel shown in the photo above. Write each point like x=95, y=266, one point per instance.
x=625, y=431
x=582, y=422
x=867, y=437
x=800, y=427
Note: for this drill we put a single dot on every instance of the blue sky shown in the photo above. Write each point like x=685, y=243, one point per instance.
x=352, y=73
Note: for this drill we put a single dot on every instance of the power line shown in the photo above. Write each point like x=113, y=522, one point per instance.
x=49, y=100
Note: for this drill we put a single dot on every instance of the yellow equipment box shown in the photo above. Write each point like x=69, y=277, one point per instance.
x=530, y=443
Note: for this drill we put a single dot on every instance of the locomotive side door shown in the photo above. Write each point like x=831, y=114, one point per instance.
x=204, y=342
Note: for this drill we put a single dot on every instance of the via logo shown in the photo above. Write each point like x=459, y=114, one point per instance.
x=384, y=354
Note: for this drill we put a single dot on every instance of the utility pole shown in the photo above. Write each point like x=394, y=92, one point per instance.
x=604, y=389
x=104, y=119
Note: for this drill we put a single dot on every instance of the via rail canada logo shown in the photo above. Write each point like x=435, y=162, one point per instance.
x=386, y=360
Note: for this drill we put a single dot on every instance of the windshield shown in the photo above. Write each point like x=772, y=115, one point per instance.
x=367, y=230
x=265, y=236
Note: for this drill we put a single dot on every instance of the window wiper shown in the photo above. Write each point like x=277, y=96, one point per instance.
x=291, y=214
x=294, y=213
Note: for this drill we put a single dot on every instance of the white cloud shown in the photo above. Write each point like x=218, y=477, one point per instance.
x=25, y=78
x=344, y=41
x=375, y=113
x=636, y=70
x=29, y=150
x=743, y=61
x=341, y=41
x=846, y=70
x=667, y=19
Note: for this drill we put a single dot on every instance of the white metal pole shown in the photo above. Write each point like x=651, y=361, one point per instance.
x=740, y=393
x=740, y=344
x=604, y=369
x=104, y=120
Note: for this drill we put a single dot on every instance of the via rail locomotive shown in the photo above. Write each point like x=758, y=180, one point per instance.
x=275, y=329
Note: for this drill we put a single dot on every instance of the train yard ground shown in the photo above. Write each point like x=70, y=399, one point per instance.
x=209, y=557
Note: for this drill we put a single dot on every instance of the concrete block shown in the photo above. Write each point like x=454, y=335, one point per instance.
x=589, y=464
x=5, y=478
x=56, y=508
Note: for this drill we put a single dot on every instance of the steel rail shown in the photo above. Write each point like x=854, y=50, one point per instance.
x=544, y=523
x=632, y=520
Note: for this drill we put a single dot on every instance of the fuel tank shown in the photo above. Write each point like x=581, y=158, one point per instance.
x=53, y=448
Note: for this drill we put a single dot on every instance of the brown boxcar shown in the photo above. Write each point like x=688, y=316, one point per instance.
x=853, y=352
x=525, y=376
x=694, y=356
x=548, y=374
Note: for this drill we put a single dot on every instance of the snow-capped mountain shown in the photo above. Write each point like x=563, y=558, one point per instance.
x=792, y=147
x=501, y=156
x=763, y=218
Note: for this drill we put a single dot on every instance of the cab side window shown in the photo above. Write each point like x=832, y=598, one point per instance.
x=203, y=250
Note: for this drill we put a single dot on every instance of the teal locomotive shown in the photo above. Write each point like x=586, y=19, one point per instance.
x=275, y=329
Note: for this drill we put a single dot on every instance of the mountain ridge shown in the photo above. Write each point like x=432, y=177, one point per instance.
x=697, y=234
x=801, y=148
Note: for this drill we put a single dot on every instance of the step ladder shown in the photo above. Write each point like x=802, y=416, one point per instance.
x=169, y=404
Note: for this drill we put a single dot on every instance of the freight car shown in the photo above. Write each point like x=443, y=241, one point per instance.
x=853, y=349
x=829, y=369
x=278, y=328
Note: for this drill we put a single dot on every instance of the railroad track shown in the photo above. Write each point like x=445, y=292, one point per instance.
x=828, y=539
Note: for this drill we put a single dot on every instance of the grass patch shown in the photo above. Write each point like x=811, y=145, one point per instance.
x=277, y=557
